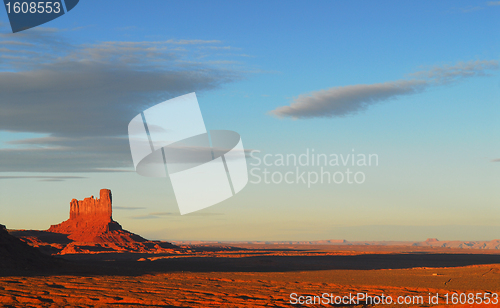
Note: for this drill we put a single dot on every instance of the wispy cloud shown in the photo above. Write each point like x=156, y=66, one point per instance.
x=440, y=75
x=144, y=217
x=470, y=9
x=43, y=178
x=67, y=154
x=341, y=101
x=83, y=96
x=474, y=8
x=497, y=160
x=352, y=99
x=131, y=208
x=156, y=215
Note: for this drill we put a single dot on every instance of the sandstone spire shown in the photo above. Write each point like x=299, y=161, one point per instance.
x=90, y=220
x=90, y=208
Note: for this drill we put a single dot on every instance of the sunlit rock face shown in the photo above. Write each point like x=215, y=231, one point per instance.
x=91, y=220
x=90, y=208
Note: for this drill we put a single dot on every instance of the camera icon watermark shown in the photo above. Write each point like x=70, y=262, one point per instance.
x=205, y=168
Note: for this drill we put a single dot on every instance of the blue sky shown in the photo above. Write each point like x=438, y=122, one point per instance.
x=415, y=83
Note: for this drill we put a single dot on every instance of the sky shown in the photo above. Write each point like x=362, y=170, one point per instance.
x=414, y=84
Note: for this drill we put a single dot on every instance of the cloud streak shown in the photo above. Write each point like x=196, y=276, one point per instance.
x=128, y=208
x=83, y=96
x=156, y=215
x=67, y=154
x=42, y=178
x=352, y=99
x=342, y=101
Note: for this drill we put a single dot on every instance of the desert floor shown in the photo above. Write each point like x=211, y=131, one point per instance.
x=254, y=276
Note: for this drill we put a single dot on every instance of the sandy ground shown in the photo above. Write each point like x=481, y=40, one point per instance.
x=256, y=276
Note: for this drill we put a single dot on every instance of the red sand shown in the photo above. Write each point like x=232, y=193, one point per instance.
x=97, y=263
x=254, y=276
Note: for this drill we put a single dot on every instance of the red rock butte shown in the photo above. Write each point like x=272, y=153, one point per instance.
x=92, y=209
x=91, y=220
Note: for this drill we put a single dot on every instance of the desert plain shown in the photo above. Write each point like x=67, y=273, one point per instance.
x=91, y=261
x=252, y=275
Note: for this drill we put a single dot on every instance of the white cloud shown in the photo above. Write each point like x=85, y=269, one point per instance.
x=56, y=178
x=83, y=96
x=348, y=100
x=341, y=101
x=451, y=73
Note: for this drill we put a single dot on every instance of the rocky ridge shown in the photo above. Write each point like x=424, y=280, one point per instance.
x=16, y=254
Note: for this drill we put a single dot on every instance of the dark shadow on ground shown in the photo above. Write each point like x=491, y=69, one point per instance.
x=265, y=264
x=43, y=236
